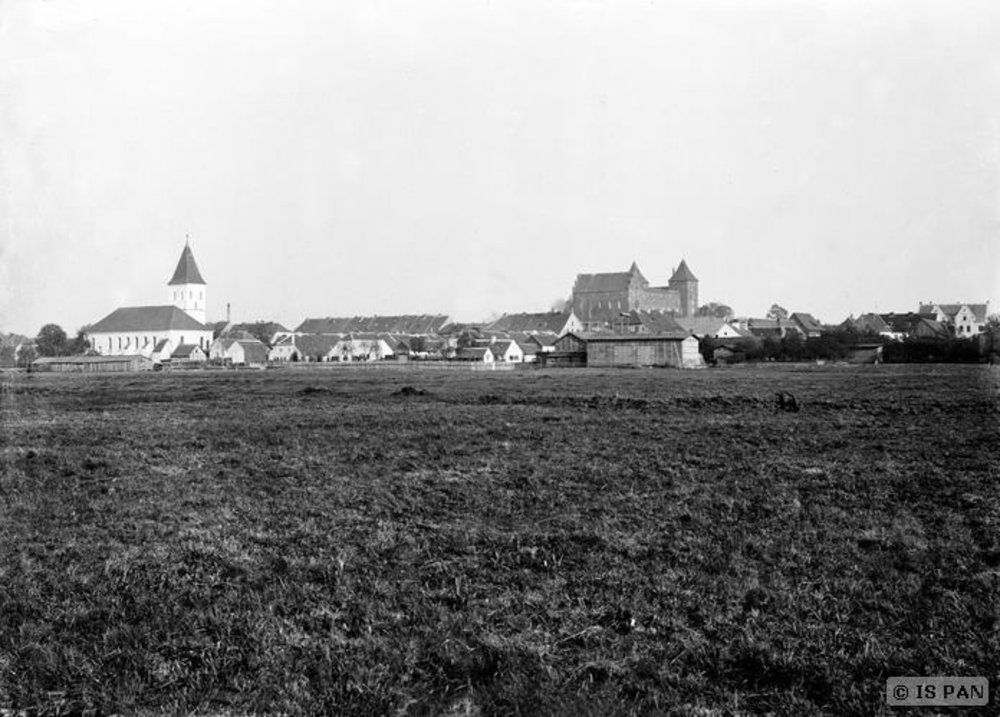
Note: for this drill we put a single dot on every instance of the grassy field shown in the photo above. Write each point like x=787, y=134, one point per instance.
x=533, y=542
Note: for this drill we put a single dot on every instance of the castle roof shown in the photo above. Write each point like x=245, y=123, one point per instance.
x=609, y=282
x=683, y=273
x=187, y=270
x=147, y=318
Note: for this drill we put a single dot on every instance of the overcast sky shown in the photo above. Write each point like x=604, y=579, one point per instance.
x=471, y=157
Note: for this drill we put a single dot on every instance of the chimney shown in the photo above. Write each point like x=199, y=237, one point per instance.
x=228, y=321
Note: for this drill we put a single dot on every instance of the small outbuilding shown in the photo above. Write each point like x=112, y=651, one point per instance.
x=91, y=364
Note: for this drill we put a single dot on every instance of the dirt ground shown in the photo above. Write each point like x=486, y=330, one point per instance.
x=572, y=542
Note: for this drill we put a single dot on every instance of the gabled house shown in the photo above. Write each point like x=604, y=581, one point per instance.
x=507, y=352
x=189, y=352
x=964, y=320
x=477, y=354
x=302, y=348
x=807, y=324
x=556, y=322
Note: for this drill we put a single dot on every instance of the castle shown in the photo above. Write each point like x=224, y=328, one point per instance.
x=599, y=299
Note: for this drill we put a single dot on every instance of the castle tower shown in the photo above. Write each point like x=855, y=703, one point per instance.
x=686, y=285
x=186, y=289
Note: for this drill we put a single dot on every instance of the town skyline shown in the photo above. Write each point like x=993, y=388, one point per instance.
x=471, y=160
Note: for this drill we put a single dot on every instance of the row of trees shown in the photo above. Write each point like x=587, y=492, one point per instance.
x=839, y=344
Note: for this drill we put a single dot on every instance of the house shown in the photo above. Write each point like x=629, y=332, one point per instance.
x=507, y=352
x=772, y=328
x=363, y=347
x=807, y=324
x=599, y=299
x=911, y=325
x=304, y=348
x=679, y=350
x=478, y=354
x=544, y=342
x=189, y=353
x=870, y=324
x=964, y=320
x=92, y=364
x=139, y=329
x=552, y=322
x=239, y=352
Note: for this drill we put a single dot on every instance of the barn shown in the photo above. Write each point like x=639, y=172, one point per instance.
x=612, y=350
x=92, y=364
x=568, y=351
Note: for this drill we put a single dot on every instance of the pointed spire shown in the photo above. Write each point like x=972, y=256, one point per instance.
x=683, y=273
x=187, y=270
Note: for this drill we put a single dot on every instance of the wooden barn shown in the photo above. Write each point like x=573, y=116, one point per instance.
x=91, y=364
x=612, y=350
x=568, y=351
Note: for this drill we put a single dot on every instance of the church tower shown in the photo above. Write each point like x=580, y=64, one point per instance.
x=187, y=290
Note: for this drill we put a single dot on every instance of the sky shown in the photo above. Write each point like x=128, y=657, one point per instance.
x=470, y=157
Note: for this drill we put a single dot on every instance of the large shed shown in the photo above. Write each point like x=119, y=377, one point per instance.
x=611, y=350
x=92, y=364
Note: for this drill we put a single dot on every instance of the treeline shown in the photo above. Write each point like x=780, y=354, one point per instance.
x=843, y=345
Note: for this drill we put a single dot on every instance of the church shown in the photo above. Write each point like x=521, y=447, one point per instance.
x=158, y=331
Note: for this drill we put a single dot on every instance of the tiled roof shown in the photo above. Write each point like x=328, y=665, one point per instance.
x=671, y=336
x=979, y=310
x=683, y=273
x=147, y=318
x=701, y=325
x=807, y=321
x=904, y=323
x=187, y=270
x=184, y=350
x=657, y=322
x=550, y=321
x=472, y=353
x=417, y=324
x=254, y=351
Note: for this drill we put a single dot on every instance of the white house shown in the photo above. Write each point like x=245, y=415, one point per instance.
x=239, y=352
x=361, y=348
x=141, y=329
x=507, y=352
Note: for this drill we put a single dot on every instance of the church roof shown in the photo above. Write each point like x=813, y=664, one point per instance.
x=146, y=318
x=187, y=270
x=683, y=273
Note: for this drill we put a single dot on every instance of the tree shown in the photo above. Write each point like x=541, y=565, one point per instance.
x=777, y=312
x=561, y=305
x=26, y=355
x=80, y=345
x=993, y=322
x=7, y=356
x=51, y=341
x=715, y=310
